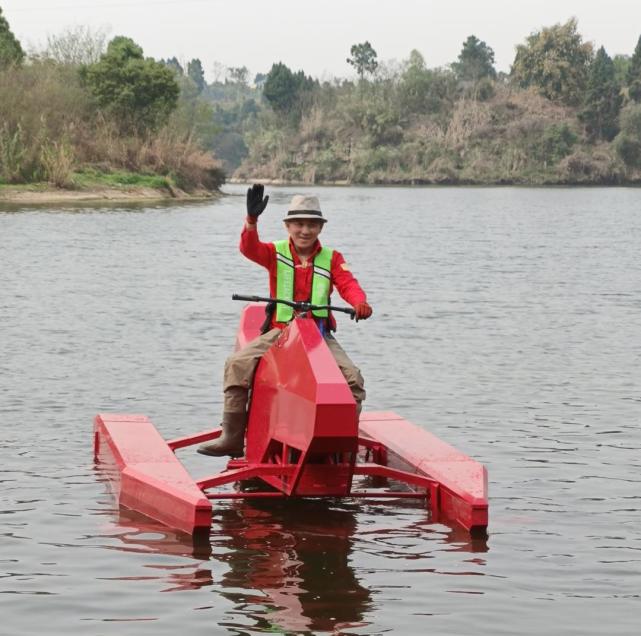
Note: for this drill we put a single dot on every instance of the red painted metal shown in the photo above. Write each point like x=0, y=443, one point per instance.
x=190, y=440
x=145, y=474
x=298, y=381
x=248, y=472
x=463, y=494
x=303, y=439
x=251, y=322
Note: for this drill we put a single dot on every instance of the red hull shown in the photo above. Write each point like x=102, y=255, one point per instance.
x=145, y=474
x=463, y=496
x=302, y=440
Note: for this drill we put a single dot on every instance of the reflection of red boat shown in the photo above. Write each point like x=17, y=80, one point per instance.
x=303, y=440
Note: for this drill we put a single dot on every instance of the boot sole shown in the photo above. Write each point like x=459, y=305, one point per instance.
x=234, y=454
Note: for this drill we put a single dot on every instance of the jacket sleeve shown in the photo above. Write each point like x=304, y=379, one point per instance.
x=252, y=248
x=349, y=289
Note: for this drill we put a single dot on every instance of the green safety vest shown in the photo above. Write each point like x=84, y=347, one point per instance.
x=321, y=280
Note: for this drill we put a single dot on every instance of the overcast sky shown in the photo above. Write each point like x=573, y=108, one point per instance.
x=316, y=36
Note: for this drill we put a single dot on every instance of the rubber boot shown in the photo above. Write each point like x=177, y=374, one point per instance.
x=232, y=441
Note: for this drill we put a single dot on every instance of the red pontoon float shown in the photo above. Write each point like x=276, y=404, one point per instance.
x=303, y=440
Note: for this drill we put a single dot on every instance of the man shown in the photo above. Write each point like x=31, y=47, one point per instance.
x=300, y=269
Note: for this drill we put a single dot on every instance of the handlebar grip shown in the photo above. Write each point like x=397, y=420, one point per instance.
x=345, y=310
x=251, y=299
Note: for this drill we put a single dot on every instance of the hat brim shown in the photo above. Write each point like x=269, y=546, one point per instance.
x=305, y=215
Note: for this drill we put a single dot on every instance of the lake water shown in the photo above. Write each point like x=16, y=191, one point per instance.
x=507, y=321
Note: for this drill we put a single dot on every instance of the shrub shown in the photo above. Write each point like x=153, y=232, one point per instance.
x=634, y=90
x=557, y=142
x=57, y=163
x=484, y=89
x=627, y=143
x=581, y=167
x=631, y=121
x=628, y=149
x=12, y=154
x=442, y=170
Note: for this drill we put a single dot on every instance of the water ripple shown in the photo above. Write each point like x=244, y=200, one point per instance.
x=505, y=322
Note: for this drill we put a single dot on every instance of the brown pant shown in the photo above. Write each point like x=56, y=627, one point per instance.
x=241, y=366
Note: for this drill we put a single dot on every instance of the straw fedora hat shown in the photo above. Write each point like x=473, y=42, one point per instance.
x=305, y=206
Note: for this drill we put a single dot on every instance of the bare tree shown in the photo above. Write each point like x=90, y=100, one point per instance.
x=219, y=72
x=77, y=45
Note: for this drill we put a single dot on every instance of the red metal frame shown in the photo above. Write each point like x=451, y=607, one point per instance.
x=303, y=440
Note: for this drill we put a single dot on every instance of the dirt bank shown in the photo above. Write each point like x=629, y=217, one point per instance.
x=47, y=194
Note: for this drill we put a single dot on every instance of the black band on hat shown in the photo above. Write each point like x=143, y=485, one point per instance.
x=314, y=212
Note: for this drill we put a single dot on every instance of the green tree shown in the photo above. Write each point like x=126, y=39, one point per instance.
x=621, y=64
x=634, y=68
x=10, y=50
x=556, y=142
x=475, y=61
x=422, y=90
x=280, y=88
x=238, y=74
x=196, y=74
x=633, y=76
x=284, y=90
x=414, y=84
x=603, y=99
x=363, y=59
x=556, y=61
x=138, y=92
x=194, y=116
x=174, y=65
x=628, y=142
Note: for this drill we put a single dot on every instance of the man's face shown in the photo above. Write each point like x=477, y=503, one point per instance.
x=303, y=232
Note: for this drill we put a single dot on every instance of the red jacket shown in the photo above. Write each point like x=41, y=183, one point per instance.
x=265, y=254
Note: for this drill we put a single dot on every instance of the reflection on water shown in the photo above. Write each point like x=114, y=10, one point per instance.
x=135, y=533
x=296, y=556
x=288, y=563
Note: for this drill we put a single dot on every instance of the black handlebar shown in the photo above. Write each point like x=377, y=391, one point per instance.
x=297, y=305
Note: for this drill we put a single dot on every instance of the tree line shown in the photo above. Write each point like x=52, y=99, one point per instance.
x=555, y=61
x=83, y=110
x=564, y=113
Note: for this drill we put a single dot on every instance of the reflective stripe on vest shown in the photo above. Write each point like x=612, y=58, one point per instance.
x=321, y=280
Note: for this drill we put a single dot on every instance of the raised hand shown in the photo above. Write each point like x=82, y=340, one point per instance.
x=256, y=204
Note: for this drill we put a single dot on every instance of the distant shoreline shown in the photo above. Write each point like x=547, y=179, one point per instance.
x=630, y=183
x=43, y=194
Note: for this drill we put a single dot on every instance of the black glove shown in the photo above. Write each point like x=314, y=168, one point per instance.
x=255, y=202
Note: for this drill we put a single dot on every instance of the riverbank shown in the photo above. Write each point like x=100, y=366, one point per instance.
x=44, y=193
x=578, y=169
x=540, y=183
x=511, y=137
x=93, y=185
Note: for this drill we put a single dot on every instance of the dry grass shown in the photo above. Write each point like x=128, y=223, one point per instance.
x=468, y=116
x=598, y=166
x=512, y=136
x=57, y=159
x=50, y=128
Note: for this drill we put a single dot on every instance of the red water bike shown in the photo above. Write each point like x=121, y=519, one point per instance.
x=303, y=439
